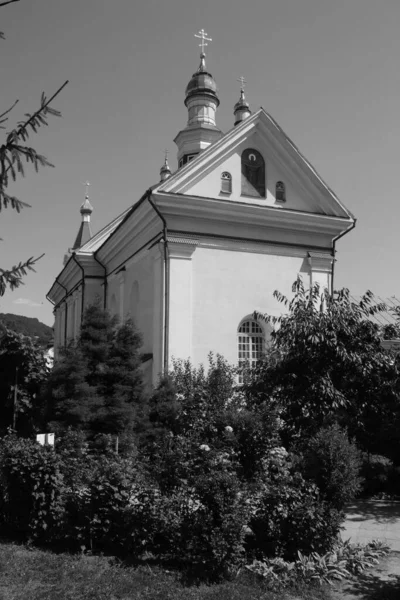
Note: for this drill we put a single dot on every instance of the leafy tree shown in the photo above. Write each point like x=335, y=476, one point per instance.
x=23, y=370
x=96, y=384
x=28, y=326
x=326, y=363
x=14, y=153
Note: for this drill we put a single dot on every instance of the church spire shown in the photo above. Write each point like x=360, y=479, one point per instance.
x=242, y=108
x=84, y=232
x=202, y=102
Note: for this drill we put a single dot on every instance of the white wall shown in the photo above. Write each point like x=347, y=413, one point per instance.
x=225, y=286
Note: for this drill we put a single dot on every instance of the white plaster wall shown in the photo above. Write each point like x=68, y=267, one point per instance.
x=226, y=287
x=138, y=297
x=210, y=185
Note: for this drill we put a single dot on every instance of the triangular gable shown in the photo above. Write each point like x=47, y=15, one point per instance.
x=306, y=190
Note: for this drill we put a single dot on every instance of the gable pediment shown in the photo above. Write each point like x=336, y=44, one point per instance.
x=304, y=188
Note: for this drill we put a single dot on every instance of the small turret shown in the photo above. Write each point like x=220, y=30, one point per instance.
x=84, y=232
x=201, y=100
x=165, y=171
x=242, y=108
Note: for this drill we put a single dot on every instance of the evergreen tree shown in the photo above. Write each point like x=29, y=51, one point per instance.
x=96, y=384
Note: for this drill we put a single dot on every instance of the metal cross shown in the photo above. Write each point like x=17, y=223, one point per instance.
x=87, y=184
x=202, y=35
x=242, y=82
x=166, y=154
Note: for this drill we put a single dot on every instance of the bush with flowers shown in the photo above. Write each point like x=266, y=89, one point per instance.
x=210, y=486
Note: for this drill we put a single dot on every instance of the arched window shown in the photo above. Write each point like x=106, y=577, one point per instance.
x=280, y=191
x=226, y=183
x=251, y=341
x=253, y=173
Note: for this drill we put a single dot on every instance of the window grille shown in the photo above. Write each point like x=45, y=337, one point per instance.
x=226, y=183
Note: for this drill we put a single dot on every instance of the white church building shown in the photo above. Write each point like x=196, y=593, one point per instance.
x=192, y=258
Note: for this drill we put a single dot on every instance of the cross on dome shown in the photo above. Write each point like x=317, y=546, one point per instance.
x=242, y=83
x=87, y=184
x=202, y=35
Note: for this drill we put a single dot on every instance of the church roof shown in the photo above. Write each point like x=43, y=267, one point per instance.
x=83, y=236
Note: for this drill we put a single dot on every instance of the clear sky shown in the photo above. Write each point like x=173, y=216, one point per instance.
x=326, y=70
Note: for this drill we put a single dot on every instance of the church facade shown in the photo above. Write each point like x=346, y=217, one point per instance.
x=191, y=259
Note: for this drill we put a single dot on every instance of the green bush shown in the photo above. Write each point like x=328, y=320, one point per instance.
x=333, y=462
x=32, y=489
x=289, y=514
x=380, y=477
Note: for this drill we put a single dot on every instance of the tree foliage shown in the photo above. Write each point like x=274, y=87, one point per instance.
x=96, y=383
x=14, y=154
x=327, y=363
x=30, y=326
x=22, y=364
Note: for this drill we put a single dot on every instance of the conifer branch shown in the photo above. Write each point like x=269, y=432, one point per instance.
x=13, y=277
x=12, y=152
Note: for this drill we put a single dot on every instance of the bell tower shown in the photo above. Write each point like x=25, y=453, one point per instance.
x=202, y=102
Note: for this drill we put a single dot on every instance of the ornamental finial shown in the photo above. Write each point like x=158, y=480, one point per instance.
x=87, y=184
x=165, y=171
x=202, y=35
x=242, y=83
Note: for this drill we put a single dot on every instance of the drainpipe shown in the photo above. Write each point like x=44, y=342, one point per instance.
x=105, y=280
x=334, y=248
x=83, y=283
x=166, y=279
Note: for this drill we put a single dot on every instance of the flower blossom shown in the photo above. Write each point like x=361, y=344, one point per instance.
x=205, y=447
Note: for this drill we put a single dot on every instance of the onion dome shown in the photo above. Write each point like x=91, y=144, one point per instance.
x=165, y=171
x=202, y=83
x=242, y=108
x=86, y=207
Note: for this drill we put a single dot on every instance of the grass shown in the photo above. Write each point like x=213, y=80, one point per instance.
x=31, y=574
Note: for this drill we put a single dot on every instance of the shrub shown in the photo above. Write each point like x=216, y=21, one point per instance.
x=32, y=489
x=289, y=514
x=380, y=477
x=333, y=462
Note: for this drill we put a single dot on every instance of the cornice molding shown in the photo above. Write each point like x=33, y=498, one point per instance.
x=320, y=262
x=183, y=249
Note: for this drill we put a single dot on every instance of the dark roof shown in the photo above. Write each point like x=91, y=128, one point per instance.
x=84, y=235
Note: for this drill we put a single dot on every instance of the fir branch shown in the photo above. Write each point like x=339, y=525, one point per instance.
x=13, y=277
x=12, y=153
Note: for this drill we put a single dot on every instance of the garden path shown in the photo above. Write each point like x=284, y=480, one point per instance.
x=367, y=520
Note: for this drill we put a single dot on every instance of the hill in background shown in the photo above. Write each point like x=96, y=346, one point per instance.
x=28, y=326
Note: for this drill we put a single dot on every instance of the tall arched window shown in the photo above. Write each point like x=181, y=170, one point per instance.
x=251, y=342
x=253, y=173
x=280, y=191
x=226, y=183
